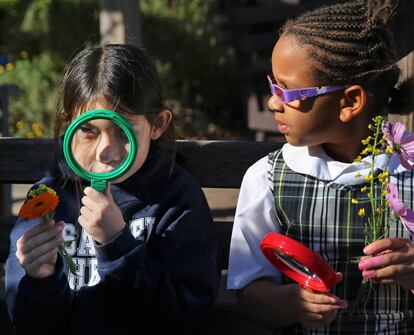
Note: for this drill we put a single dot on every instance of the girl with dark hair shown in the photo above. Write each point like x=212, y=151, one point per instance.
x=144, y=249
x=333, y=70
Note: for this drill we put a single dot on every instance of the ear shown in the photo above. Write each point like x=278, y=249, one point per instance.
x=161, y=123
x=352, y=103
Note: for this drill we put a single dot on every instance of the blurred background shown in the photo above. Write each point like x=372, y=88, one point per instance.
x=213, y=56
x=207, y=52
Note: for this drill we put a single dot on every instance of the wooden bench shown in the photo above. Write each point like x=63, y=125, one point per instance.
x=215, y=164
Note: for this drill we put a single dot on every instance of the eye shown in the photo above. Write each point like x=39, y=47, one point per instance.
x=87, y=132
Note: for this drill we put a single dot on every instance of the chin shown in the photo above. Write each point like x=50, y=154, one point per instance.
x=294, y=141
x=119, y=180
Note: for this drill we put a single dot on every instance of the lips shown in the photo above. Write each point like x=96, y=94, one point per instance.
x=282, y=127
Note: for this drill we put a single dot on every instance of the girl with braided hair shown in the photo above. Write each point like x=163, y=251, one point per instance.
x=334, y=69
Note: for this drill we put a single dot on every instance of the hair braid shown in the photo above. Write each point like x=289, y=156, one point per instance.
x=349, y=42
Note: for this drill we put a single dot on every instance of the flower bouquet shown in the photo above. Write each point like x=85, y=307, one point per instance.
x=42, y=204
x=396, y=147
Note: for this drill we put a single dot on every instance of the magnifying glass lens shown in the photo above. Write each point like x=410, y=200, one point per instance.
x=295, y=265
x=99, y=146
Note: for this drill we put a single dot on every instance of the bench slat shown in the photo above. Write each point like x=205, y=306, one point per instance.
x=220, y=164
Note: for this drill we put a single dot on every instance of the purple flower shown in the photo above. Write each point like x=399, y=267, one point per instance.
x=401, y=142
x=406, y=215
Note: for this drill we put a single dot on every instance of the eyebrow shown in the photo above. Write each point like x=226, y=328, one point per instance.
x=88, y=124
x=281, y=81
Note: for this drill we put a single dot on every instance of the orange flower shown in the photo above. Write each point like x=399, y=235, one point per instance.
x=39, y=206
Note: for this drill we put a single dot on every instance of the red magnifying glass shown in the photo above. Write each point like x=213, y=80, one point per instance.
x=298, y=262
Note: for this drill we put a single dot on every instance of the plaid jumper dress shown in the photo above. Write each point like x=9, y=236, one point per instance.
x=320, y=215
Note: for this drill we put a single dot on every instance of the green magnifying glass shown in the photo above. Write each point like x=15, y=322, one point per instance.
x=100, y=146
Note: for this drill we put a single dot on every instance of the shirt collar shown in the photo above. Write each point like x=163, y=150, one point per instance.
x=314, y=161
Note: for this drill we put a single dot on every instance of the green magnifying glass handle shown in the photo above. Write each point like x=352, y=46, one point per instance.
x=98, y=185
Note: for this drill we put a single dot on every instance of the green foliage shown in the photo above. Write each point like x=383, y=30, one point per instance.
x=59, y=27
x=38, y=80
x=196, y=62
x=191, y=51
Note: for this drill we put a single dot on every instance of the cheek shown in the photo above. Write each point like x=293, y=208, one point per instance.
x=143, y=149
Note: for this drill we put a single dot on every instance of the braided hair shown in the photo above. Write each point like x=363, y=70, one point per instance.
x=351, y=43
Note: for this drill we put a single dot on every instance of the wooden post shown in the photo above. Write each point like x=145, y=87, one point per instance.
x=403, y=27
x=6, y=91
x=119, y=22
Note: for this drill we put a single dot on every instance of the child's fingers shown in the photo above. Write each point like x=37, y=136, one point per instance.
x=37, y=229
x=27, y=243
x=48, y=257
x=339, y=277
x=41, y=250
x=107, y=191
x=94, y=195
x=320, y=308
x=86, y=212
x=391, y=243
x=318, y=298
x=390, y=271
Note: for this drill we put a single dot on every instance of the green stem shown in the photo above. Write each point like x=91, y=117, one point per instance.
x=373, y=198
x=62, y=250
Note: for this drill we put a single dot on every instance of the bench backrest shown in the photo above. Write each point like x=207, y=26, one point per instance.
x=215, y=164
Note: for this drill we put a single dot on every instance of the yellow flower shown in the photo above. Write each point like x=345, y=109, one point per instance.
x=19, y=124
x=361, y=212
x=30, y=135
x=35, y=126
x=1, y=68
x=389, y=150
x=24, y=54
x=368, y=178
x=354, y=201
x=367, y=140
x=39, y=133
x=358, y=159
x=9, y=67
x=366, y=151
x=41, y=189
x=383, y=176
x=363, y=189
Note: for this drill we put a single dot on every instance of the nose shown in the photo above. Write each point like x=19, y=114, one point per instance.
x=109, y=150
x=275, y=105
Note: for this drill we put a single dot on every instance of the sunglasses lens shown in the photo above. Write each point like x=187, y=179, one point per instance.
x=279, y=94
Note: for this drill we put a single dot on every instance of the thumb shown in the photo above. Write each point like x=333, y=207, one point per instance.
x=108, y=192
x=339, y=277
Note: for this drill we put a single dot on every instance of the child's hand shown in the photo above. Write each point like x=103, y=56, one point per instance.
x=100, y=216
x=318, y=309
x=391, y=261
x=38, y=247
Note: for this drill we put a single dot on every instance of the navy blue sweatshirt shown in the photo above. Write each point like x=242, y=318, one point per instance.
x=158, y=276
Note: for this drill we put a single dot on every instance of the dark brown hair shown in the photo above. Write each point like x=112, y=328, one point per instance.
x=352, y=43
x=123, y=76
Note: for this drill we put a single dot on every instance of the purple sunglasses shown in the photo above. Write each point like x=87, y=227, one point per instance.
x=287, y=96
